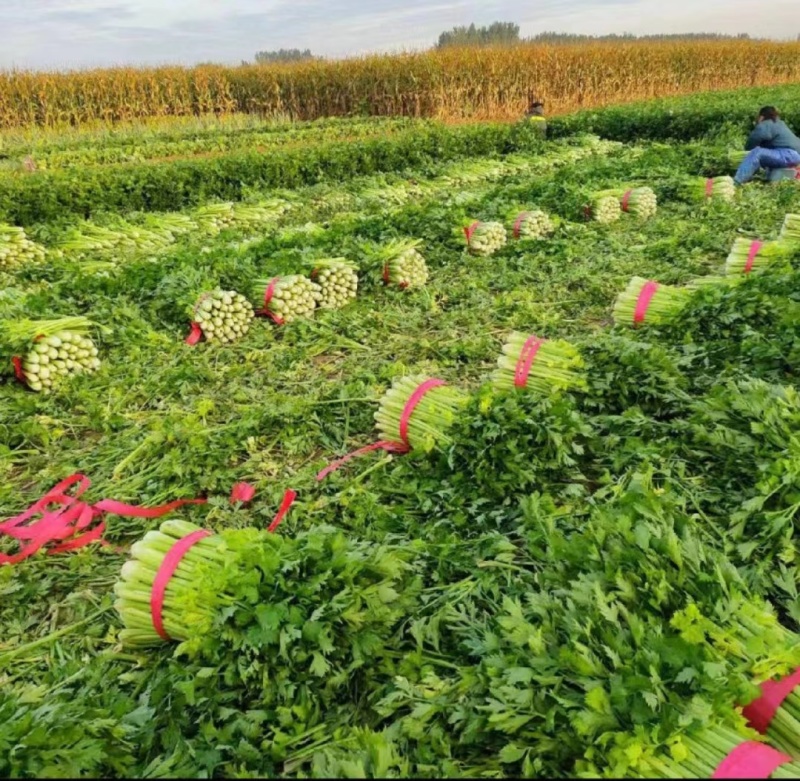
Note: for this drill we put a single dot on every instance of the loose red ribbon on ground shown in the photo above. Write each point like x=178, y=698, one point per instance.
x=68, y=521
x=751, y=760
x=625, y=200
x=16, y=362
x=526, y=359
x=288, y=501
x=755, y=247
x=242, y=492
x=709, y=187
x=411, y=405
x=518, y=224
x=760, y=712
x=470, y=230
x=643, y=302
x=389, y=447
x=268, y=293
x=164, y=575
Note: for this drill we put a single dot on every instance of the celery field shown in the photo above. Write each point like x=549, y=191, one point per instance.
x=382, y=447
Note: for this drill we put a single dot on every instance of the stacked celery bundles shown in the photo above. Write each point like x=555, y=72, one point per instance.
x=791, y=228
x=55, y=350
x=698, y=189
x=646, y=302
x=485, y=238
x=417, y=411
x=214, y=218
x=747, y=255
x=604, y=207
x=337, y=280
x=286, y=298
x=539, y=365
x=16, y=248
x=223, y=315
x=403, y=264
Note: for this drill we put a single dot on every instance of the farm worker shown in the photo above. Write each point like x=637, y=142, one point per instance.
x=771, y=146
x=535, y=114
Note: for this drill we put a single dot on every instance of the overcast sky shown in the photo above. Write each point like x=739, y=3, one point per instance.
x=78, y=33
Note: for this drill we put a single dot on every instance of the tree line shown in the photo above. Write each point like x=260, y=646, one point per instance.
x=506, y=33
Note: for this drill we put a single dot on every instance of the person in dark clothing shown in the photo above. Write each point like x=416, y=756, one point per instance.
x=771, y=145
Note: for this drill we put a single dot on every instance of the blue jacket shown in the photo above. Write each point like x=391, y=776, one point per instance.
x=773, y=134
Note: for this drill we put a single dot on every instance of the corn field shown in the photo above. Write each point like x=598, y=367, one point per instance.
x=489, y=83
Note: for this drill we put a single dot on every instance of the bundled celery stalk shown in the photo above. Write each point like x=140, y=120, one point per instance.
x=702, y=753
x=214, y=218
x=641, y=202
x=646, y=302
x=697, y=189
x=337, y=280
x=417, y=411
x=485, y=238
x=125, y=239
x=791, y=228
x=534, y=224
x=539, y=365
x=287, y=298
x=223, y=315
x=747, y=255
x=182, y=615
x=55, y=350
x=403, y=265
x=604, y=207
x=252, y=215
x=776, y=714
x=16, y=248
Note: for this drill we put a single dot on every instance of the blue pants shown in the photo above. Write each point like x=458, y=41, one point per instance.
x=765, y=158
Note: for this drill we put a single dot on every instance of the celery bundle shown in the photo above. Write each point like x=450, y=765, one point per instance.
x=182, y=614
x=699, y=189
x=700, y=755
x=16, y=248
x=417, y=411
x=747, y=255
x=604, y=207
x=124, y=239
x=780, y=725
x=287, y=298
x=539, y=365
x=640, y=202
x=644, y=301
x=337, y=280
x=533, y=225
x=214, y=218
x=485, y=238
x=223, y=315
x=252, y=215
x=403, y=265
x=791, y=228
x=56, y=349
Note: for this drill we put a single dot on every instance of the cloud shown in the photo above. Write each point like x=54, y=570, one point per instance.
x=77, y=33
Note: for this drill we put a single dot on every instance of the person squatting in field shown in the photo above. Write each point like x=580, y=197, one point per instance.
x=772, y=146
x=535, y=114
